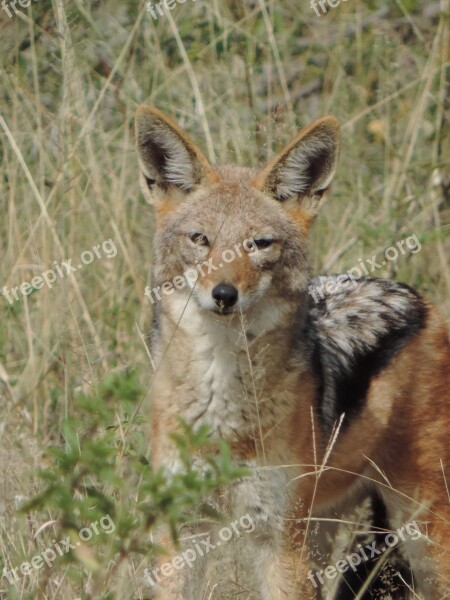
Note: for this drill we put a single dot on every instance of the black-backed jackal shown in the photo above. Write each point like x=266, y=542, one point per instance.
x=322, y=400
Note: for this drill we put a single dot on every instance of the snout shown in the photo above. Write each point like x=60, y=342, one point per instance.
x=225, y=296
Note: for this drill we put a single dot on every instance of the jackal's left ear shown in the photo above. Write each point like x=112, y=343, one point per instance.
x=168, y=158
x=305, y=167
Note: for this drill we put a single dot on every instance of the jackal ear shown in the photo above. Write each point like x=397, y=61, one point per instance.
x=168, y=158
x=306, y=166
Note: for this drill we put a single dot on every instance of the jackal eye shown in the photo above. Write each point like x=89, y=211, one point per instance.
x=261, y=244
x=199, y=238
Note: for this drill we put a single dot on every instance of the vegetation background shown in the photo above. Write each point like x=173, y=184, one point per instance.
x=241, y=77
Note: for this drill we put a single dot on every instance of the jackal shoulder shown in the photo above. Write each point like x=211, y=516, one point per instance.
x=357, y=327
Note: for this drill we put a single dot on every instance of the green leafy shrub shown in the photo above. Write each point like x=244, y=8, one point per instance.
x=101, y=470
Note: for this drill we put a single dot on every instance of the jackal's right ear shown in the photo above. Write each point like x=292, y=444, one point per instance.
x=169, y=160
x=306, y=166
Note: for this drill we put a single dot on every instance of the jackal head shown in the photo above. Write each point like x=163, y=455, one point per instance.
x=229, y=238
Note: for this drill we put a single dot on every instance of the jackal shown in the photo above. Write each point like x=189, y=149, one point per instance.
x=323, y=401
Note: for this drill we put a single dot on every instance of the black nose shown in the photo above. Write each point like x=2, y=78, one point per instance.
x=225, y=295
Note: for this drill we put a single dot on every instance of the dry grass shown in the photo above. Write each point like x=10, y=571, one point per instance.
x=241, y=77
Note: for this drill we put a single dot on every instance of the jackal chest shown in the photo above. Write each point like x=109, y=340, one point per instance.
x=225, y=389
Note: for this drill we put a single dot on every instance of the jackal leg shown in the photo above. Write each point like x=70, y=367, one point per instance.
x=177, y=574
x=424, y=530
x=280, y=574
x=429, y=557
x=283, y=577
